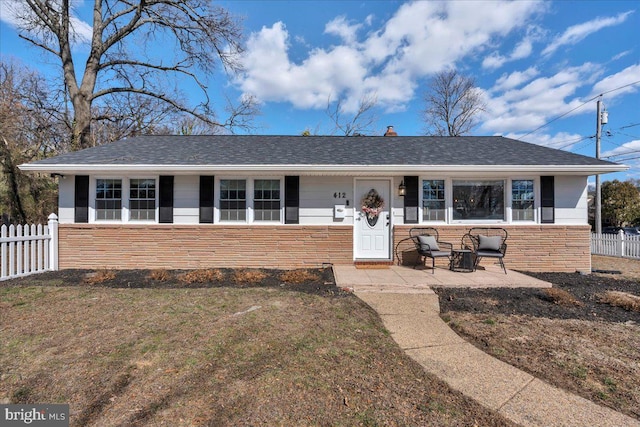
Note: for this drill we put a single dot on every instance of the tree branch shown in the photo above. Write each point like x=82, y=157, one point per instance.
x=170, y=101
x=39, y=44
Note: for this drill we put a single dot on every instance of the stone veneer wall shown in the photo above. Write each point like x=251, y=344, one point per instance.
x=186, y=247
x=530, y=247
x=559, y=248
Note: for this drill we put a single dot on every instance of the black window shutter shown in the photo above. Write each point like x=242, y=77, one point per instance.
x=547, y=202
x=411, y=199
x=206, y=199
x=166, y=199
x=81, y=213
x=291, y=199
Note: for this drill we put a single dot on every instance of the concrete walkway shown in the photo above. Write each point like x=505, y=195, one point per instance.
x=411, y=314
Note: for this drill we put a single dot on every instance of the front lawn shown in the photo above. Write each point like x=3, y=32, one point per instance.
x=209, y=350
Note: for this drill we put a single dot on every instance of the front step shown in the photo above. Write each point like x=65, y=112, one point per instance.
x=373, y=264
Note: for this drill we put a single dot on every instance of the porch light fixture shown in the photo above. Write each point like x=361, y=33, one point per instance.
x=402, y=190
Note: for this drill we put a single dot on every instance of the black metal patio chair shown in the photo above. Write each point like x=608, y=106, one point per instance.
x=487, y=242
x=429, y=245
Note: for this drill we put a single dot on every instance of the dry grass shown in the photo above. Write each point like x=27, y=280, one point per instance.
x=100, y=276
x=297, y=277
x=594, y=359
x=160, y=275
x=185, y=357
x=620, y=299
x=202, y=276
x=562, y=297
x=248, y=277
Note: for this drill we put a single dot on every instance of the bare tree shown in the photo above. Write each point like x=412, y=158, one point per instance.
x=452, y=104
x=361, y=123
x=129, y=115
x=30, y=129
x=120, y=62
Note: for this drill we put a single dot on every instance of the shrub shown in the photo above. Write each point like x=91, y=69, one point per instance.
x=620, y=299
x=202, y=276
x=561, y=297
x=160, y=275
x=242, y=277
x=298, y=277
x=99, y=276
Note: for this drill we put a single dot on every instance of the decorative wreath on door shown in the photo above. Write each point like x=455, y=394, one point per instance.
x=372, y=205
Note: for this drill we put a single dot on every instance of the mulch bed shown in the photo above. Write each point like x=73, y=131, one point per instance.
x=321, y=283
x=535, y=302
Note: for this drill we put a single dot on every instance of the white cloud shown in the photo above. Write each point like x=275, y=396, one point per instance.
x=576, y=33
x=561, y=140
x=494, y=61
x=515, y=108
x=343, y=29
x=272, y=77
x=419, y=39
x=82, y=31
x=17, y=14
x=515, y=79
x=520, y=102
x=522, y=50
x=630, y=148
x=369, y=20
x=628, y=76
x=621, y=55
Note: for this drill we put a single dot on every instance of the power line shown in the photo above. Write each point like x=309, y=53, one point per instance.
x=574, y=141
x=630, y=158
x=559, y=117
x=622, y=154
x=579, y=106
x=629, y=126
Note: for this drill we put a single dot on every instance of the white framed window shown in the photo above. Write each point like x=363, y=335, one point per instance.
x=108, y=201
x=522, y=200
x=266, y=200
x=478, y=200
x=233, y=200
x=433, y=200
x=142, y=199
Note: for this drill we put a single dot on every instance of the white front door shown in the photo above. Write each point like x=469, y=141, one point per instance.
x=372, y=230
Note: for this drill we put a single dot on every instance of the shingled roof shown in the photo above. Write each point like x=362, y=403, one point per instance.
x=321, y=153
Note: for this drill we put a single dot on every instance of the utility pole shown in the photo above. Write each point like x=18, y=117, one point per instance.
x=601, y=119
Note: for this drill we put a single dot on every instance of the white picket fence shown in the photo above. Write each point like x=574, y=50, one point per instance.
x=28, y=249
x=620, y=245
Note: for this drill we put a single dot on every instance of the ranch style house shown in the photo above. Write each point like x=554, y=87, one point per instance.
x=306, y=201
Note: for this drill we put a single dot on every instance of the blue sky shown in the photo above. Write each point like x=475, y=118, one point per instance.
x=533, y=61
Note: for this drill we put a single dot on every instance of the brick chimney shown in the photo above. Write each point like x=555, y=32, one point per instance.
x=390, y=131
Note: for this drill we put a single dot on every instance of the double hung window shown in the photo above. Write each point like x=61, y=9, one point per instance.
x=142, y=199
x=108, y=199
x=266, y=200
x=433, y=201
x=233, y=200
x=522, y=200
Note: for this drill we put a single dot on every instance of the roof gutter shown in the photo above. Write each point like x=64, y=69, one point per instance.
x=325, y=169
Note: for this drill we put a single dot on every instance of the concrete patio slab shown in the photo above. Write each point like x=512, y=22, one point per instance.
x=399, y=279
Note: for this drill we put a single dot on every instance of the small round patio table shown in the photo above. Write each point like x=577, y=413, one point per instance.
x=461, y=261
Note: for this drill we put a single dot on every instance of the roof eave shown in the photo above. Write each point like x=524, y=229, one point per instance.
x=324, y=169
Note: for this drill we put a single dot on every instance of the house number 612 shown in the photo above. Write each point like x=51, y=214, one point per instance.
x=339, y=195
